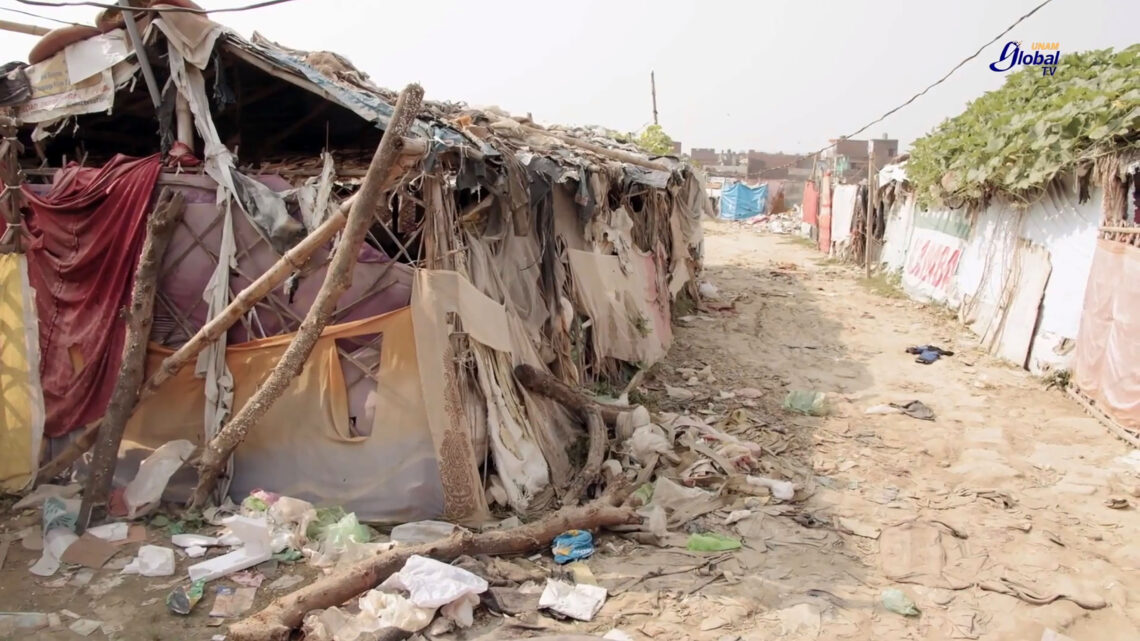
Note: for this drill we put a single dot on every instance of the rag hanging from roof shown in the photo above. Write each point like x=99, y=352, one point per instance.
x=87, y=232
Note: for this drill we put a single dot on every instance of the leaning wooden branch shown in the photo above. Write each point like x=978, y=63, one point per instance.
x=277, y=622
x=140, y=317
x=547, y=385
x=293, y=260
x=337, y=281
x=595, y=456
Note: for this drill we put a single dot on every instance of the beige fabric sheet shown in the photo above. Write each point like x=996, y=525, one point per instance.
x=21, y=397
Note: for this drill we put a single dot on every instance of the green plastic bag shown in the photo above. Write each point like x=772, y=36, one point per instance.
x=898, y=602
x=712, y=542
x=326, y=516
x=336, y=536
x=806, y=402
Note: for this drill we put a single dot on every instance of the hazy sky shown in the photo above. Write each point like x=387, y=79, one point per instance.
x=773, y=75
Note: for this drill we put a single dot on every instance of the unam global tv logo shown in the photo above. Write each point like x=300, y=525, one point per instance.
x=1012, y=55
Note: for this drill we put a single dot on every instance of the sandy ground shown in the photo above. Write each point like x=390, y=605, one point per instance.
x=1005, y=490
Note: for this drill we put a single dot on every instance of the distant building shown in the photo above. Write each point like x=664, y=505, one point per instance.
x=677, y=147
x=849, y=158
x=706, y=157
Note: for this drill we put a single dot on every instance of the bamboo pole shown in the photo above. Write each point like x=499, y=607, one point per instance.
x=337, y=281
x=140, y=318
x=19, y=27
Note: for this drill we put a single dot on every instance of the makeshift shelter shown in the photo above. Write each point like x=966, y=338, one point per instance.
x=499, y=243
x=740, y=201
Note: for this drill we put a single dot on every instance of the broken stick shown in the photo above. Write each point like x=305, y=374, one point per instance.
x=337, y=281
x=140, y=317
x=599, y=445
x=547, y=385
x=276, y=622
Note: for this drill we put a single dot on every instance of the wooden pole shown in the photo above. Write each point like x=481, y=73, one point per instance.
x=615, y=154
x=140, y=52
x=277, y=621
x=653, y=90
x=869, y=207
x=140, y=318
x=337, y=281
x=19, y=27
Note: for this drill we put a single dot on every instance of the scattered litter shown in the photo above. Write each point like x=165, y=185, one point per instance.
x=89, y=551
x=882, y=409
x=749, y=392
x=580, y=602
x=152, y=560
x=806, y=402
x=37, y=496
x=395, y=611
x=82, y=578
x=231, y=602
x=248, y=579
x=858, y=528
x=143, y=493
x=195, y=551
x=284, y=582
x=254, y=534
x=572, y=545
x=927, y=354
x=11, y=621
x=679, y=393
x=258, y=501
x=111, y=532
x=708, y=291
x=782, y=490
x=422, y=532
x=737, y=516
x=55, y=543
x=898, y=602
x=648, y=441
x=432, y=584
x=617, y=635
x=84, y=627
x=345, y=541
x=682, y=504
x=190, y=540
x=183, y=598
x=581, y=573
x=712, y=542
x=1117, y=503
x=915, y=409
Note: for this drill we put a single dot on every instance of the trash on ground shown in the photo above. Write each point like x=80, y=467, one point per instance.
x=378, y=611
x=581, y=573
x=111, y=532
x=55, y=543
x=572, y=545
x=915, y=409
x=183, y=598
x=195, y=551
x=36, y=497
x=782, y=490
x=681, y=504
x=711, y=542
x=648, y=441
x=144, y=492
x=284, y=582
x=248, y=579
x=258, y=501
x=231, y=602
x=882, y=409
x=433, y=584
x=422, y=532
x=749, y=392
x=152, y=560
x=1117, y=503
x=580, y=602
x=254, y=534
x=513, y=601
x=190, y=540
x=898, y=602
x=89, y=551
x=84, y=627
x=927, y=354
x=806, y=402
x=617, y=635
x=737, y=516
x=679, y=393
x=28, y=621
x=345, y=541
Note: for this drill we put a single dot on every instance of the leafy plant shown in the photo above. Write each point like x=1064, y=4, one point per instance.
x=655, y=141
x=1014, y=140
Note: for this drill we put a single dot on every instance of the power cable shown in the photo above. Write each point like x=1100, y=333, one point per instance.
x=919, y=94
x=168, y=9
x=38, y=16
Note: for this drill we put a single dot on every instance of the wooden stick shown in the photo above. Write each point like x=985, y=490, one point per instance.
x=547, y=385
x=615, y=154
x=337, y=281
x=599, y=445
x=140, y=317
x=276, y=622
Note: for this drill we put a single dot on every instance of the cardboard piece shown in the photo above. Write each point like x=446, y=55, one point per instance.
x=232, y=602
x=89, y=551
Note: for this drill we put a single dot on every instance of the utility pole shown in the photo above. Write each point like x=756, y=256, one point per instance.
x=653, y=90
x=870, y=205
x=17, y=27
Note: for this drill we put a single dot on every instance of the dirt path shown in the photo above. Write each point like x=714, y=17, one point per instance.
x=1009, y=482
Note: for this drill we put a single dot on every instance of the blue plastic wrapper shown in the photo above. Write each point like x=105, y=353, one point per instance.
x=572, y=545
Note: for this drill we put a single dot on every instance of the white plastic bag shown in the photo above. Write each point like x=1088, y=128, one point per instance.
x=580, y=601
x=782, y=490
x=646, y=441
x=145, y=490
x=432, y=584
x=422, y=532
x=153, y=560
x=394, y=611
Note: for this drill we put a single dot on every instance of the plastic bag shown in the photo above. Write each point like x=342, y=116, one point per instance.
x=422, y=532
x=432, y=584
x=394, y=611
x=326, y=516
x=806, y=402
x=145, y=490
x=712, y=542
x=153, y=560
x=898, y=602
x=783, y=490
x=572, y=545
x=647, y=441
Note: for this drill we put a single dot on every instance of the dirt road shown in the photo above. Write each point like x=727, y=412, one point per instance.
x=1004, y=491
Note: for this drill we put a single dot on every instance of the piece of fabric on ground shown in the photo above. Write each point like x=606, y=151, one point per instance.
x=87, y=231
x=21, y=400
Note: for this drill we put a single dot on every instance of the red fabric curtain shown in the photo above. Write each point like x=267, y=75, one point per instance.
x=811, y=203
x=87, y=232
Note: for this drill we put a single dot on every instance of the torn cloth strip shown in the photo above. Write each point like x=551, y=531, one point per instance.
x=87, y=232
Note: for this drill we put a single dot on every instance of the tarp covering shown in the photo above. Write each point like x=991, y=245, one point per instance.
x=738, y=201
x=87, y=232
x=811, y=203
x=22, y=402
x=1107, y=350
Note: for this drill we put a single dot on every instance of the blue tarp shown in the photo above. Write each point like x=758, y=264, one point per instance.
x=738, y=201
